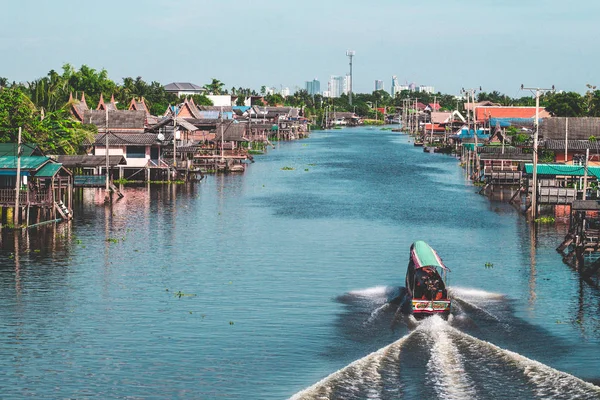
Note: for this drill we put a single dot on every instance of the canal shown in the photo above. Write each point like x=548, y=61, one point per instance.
x=272, y=284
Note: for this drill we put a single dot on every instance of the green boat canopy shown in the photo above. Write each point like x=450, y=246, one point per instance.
x=424, y=256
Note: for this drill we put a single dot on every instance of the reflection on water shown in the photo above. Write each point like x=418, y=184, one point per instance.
x=241, y=286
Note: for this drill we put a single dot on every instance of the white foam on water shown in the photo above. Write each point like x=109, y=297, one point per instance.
x=445, y=367
x=359, y=372
x=375, y=313
x=480, y=309
x=372, y=293
x=549, y=383
x=463, y=292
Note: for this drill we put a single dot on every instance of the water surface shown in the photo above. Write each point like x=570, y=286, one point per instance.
x=262, y=285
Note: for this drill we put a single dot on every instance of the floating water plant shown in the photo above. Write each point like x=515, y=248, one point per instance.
x=112, y=240
x=545, y=220
x=180, y=294
x=287, y=168
x=489, y=265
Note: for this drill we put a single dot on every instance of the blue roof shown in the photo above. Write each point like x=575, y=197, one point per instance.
x=241, y=108
x=215, y=114
x=506, y=122
x=467, y=134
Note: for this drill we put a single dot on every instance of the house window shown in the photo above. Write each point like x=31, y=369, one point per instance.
x=136, y=152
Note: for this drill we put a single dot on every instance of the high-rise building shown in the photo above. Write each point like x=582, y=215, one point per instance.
x=378, y=85
x=425, y=89
x=347, y=84
x=313, y=87
x=336, y=85
x=395, y=86
x=285, y=92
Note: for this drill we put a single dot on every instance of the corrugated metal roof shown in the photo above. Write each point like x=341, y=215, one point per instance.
x=486, y=112
x=127, y=139
x=499, y=149
x=90, y=161
x=27, y=163
x=180, y=86
x=118, y=119
x=27, y=149
x=553, y=144
x=48, y=170
x=579, y=128
x=562, y=170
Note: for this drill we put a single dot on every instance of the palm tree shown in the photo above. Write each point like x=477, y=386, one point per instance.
x=215, y=87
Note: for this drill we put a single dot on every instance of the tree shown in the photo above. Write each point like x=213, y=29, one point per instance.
x=202, y=100
x=215, y=87
x=56, y=133
x=566, y=104
x=274, y=99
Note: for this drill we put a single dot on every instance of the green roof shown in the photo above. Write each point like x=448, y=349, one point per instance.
x=471, y=146
x=10, y=149
x=27, y=163
x=562, y=170
x=426, y=256
x=48, y=170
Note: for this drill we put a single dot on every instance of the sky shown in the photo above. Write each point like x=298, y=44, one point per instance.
x=451, y=44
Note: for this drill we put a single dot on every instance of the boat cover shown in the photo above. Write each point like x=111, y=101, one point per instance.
x=424, y=256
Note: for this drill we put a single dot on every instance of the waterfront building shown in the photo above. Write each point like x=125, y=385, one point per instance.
x=313, y=87
x=378, y=85
x=184, y=89
x=46, y=187
x=219, y=100
x=505, y=115
x=78, y=107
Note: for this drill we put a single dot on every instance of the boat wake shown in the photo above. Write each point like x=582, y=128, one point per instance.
x=443, y=359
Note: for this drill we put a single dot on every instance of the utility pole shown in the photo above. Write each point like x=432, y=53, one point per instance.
x=350, y=54
x=471, y=93
x=222, y=133
x=107, y=188
x=18, y=183
x=175, y=144
x=538, y=92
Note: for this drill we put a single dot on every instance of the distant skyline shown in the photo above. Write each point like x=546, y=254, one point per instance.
x=448, y=45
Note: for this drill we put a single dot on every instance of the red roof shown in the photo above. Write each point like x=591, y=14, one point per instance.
x=435, y=106
x=436, y=128
x=421, y=106
x=485, y=113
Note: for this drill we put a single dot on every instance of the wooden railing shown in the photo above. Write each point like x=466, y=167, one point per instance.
x=8, y=196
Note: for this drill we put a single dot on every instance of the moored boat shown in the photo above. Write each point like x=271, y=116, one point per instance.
x=426, y=282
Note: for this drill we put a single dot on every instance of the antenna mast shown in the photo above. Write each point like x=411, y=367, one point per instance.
x=350, y=54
